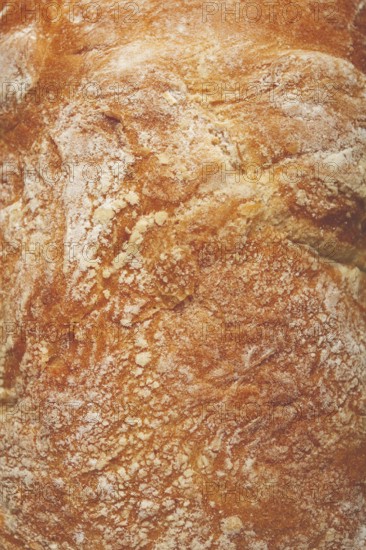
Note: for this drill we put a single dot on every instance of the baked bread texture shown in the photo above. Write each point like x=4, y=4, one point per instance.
x=183, y=264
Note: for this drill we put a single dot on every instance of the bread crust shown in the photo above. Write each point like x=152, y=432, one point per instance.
x=183, y=272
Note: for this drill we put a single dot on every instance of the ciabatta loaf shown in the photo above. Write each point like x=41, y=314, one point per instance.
x=183, y=275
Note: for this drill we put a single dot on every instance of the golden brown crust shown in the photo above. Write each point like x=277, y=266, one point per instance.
x=183, y=267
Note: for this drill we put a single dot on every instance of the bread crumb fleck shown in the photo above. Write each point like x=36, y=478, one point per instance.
x=103, y=214
x=164, y=159
x=170, y=98
x=160, y=217
x=143, y=358
x=132, y=198
x=232, y=525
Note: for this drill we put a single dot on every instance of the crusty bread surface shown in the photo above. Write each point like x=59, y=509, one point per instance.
x=183, y=265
